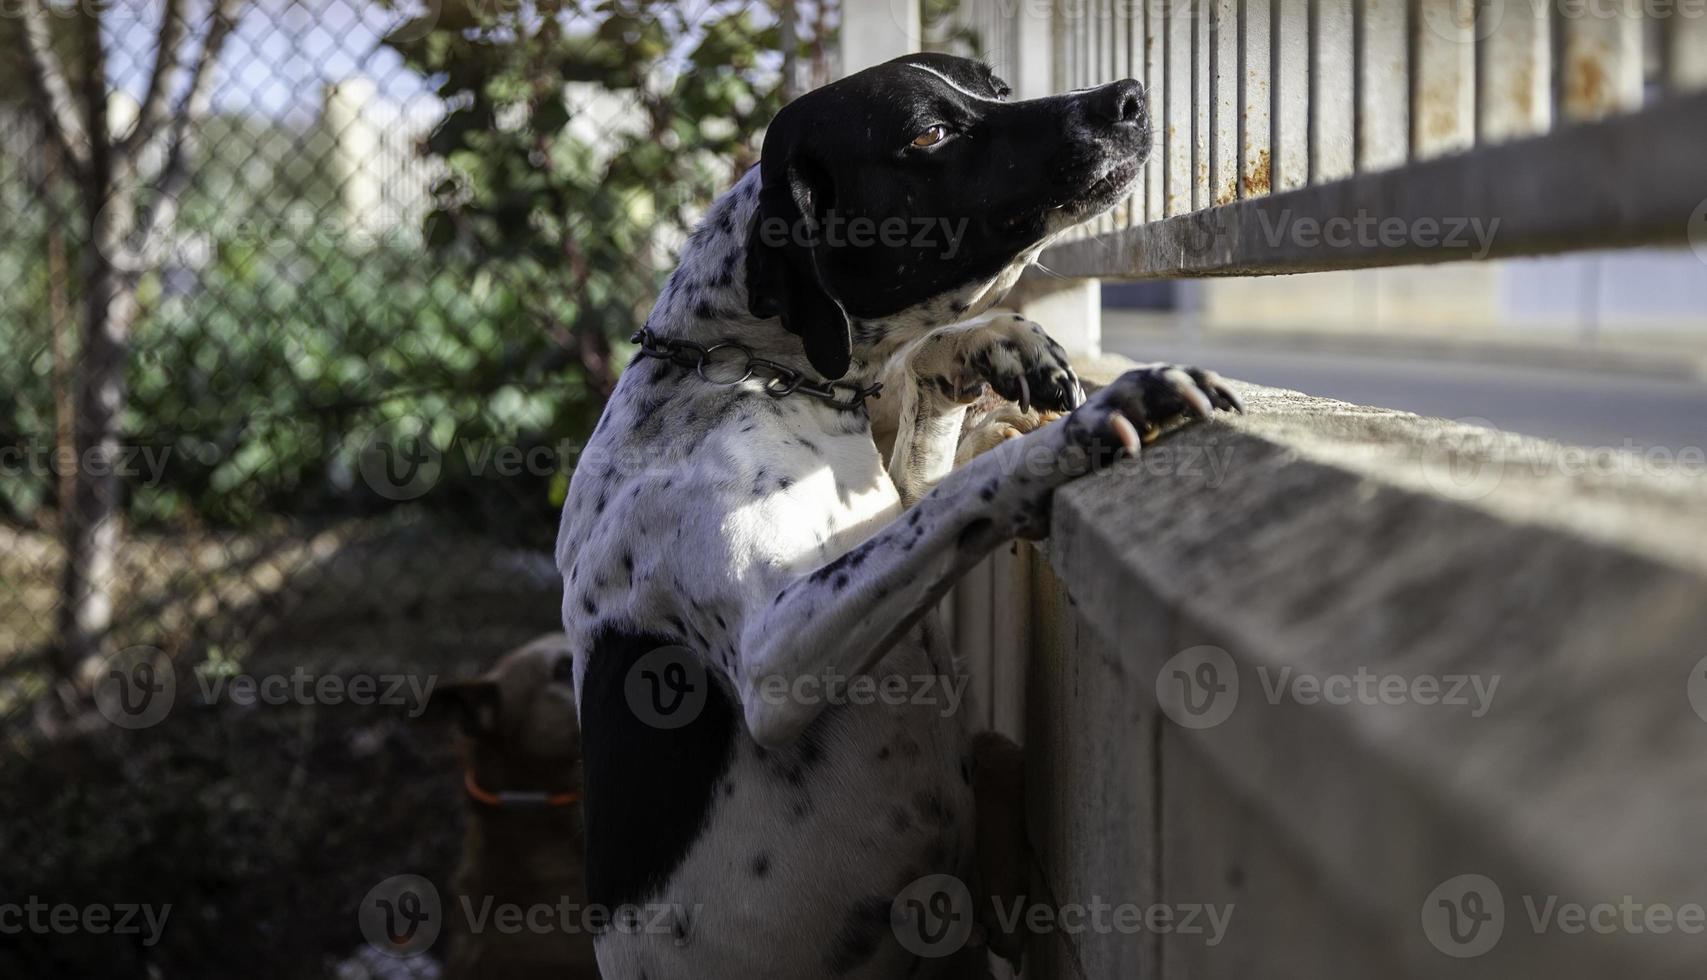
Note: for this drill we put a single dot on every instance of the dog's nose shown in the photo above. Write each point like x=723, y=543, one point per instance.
x=1117, y=103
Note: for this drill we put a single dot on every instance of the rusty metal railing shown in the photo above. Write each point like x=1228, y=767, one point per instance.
x=1384, y=110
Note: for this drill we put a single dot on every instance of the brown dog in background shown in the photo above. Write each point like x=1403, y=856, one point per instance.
x=520, y=747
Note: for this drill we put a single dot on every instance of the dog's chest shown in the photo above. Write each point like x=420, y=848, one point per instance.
x=691, y=506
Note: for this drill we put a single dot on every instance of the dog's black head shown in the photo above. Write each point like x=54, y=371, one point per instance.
x=917, y=183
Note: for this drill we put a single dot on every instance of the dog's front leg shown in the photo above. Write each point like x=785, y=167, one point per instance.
x=844, y=616
x=937, y=376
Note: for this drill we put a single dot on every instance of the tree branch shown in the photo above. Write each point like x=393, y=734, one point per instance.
x=161, y=208
x=166, y=63
x=52, y=93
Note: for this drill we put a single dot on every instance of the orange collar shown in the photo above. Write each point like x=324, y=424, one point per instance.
x=521, y=798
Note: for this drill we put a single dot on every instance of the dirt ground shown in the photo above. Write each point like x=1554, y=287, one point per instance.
x=262, y=825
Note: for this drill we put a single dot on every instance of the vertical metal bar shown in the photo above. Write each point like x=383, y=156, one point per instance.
x=1224, y=167
x=1255, y=153
x=1179, y=89
x=1601, y=69
x=1514, y=73
x=1103, y=37
x=1202, y=103
x=1687, y=60
x=1155, y=86
x=1383, y=87
x=1333, y=88
x=1443, y=110
x=1291, y=95
x=1125, y=16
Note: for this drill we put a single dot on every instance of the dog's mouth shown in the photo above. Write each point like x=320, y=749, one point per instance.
x=1103, y=192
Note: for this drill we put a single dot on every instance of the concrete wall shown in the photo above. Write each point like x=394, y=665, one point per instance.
x=1199, y=739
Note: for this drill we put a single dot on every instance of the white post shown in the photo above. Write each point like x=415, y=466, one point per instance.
x=355, y=153
x=1072, y=314
x=874, y=31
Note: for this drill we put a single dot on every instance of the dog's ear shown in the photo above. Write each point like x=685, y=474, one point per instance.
x=473, y=704
x=785, y=249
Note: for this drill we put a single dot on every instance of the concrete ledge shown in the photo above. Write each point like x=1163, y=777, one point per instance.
x=1326, y=541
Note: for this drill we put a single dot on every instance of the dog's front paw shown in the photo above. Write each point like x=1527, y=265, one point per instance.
x=1023, y=364
x=1140, y=404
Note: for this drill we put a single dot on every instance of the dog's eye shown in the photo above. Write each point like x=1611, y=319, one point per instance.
x=931, y=136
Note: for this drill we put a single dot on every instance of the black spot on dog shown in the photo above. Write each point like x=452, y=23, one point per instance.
x=900, y=820
x=841, y=582
x=883, y=754
x=863, y=930
x=639, y=830
x=976, y=534
x=761, y=864
x=587, y=604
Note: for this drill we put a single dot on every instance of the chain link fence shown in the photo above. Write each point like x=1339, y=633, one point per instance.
x=366, y=286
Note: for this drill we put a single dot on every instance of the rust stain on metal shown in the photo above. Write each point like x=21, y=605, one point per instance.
x=1522, y=91
x=1587, y=84
x=1258, y=179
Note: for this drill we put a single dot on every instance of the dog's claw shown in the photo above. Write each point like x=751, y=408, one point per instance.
x=1125, y=432
x=1187, y=388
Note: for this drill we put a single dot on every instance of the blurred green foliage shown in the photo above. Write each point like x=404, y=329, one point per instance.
x=580, y=141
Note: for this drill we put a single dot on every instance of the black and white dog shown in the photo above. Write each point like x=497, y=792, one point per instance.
x=737, y=556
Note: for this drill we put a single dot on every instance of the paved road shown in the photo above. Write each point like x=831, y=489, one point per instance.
x=1571, y=405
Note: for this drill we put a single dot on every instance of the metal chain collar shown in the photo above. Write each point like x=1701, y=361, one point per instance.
x=738, y=365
